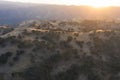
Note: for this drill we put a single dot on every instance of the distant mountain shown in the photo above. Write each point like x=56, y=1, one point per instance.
x=14, y=12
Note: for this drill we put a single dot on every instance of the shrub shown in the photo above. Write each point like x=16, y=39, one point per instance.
x=2, y=76
x=80, y=43
x=2, y=42
x=69, y=39
x=51, y=37
x=38, y=72
x=71, y=74
x=20, y=52
x=24, y=44
x=4, y=57
x=16, y=58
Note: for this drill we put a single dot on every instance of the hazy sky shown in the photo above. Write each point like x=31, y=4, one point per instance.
x=97, y=3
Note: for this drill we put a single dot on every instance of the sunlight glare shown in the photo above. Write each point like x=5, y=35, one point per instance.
x=93, y=3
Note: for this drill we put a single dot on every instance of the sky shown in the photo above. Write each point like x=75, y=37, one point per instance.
x=96, y=3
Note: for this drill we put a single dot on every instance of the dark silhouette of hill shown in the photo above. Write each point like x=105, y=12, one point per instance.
x=14, y=12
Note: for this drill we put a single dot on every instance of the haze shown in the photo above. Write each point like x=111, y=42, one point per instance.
x=94, y=3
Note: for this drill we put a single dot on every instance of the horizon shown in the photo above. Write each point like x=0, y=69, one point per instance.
x=93, y=3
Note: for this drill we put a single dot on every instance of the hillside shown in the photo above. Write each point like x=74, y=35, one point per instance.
x=55, y=50
x=19, y=12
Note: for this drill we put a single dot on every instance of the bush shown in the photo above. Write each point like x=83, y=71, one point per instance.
x=38, y=72
x=24, y=44
x=2, y=76
x=71, y=74
x=20, y=52
x=80, y=43
x=4, y=57
x=16, y=58
x=51, y=37
x=69, y=39
x=2, y=42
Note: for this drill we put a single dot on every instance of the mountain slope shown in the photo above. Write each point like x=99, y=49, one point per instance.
x=41, y=52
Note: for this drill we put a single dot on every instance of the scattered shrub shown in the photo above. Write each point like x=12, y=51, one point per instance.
x=20, y=52
x=80, y=43
x=16, y=58
x=69, y=39
x=71, y=74
x=4, y=57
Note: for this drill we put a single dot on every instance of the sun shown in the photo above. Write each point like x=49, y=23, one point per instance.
x=100, y=5
x=96, y=3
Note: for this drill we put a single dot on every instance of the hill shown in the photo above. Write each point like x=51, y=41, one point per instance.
x=55, y=50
